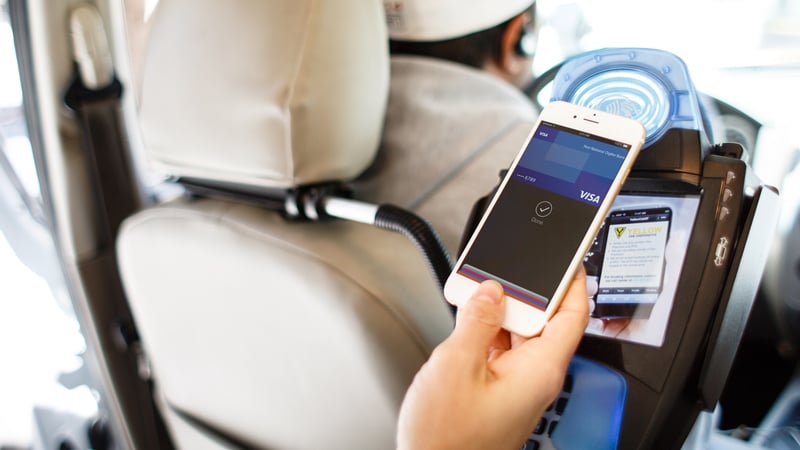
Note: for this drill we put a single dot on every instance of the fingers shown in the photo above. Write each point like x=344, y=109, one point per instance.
x=479, y=321
x=569, y=322
x=540, y=363
x=500, y=345
x=575, y=298
x=561, y=335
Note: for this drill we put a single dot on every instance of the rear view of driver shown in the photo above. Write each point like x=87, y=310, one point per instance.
x=456, y=116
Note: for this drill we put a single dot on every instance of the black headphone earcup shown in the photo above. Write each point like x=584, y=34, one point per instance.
x=526, y=44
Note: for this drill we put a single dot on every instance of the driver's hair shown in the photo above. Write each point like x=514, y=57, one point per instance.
x=475, y=49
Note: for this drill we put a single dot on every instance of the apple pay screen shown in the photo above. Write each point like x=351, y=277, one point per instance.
x=540, y=218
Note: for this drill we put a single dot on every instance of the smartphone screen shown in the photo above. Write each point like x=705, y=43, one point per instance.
x=632, y=271
x=540, y=219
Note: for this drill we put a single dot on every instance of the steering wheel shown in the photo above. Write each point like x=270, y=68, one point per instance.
x=536, y=86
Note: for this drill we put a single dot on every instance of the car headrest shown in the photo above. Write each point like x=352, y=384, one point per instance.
x=264, y=93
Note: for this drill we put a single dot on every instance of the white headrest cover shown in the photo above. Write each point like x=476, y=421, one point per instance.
x=265, y=93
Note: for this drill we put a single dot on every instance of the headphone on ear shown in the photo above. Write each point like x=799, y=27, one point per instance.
x=526, y=44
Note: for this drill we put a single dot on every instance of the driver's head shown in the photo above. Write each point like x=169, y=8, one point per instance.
x=494, y=35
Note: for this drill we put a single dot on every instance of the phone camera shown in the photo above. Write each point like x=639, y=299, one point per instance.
x=575, y=117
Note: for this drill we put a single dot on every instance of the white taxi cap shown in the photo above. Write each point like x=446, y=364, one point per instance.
x=436, y=20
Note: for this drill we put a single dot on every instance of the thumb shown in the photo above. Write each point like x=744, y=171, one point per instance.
x=480, y=319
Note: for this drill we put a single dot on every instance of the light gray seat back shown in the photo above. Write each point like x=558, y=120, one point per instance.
x=275, y=334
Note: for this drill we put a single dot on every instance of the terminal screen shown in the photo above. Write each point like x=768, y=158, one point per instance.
x=634, y=265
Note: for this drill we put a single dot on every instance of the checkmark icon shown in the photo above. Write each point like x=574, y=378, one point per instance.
x=544, y=208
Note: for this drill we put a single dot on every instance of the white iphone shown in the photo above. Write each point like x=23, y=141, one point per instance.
x=547, y=211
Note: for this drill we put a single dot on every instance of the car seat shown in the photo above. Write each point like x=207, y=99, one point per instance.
x=261, y=331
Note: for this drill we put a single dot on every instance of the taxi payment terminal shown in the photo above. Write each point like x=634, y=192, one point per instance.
x=672, y=274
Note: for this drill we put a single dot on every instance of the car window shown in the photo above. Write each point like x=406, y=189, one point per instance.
x=742, y=52
x=40, y=338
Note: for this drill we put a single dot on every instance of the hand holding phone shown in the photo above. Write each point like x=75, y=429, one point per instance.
x=547, y=211
x=474, y=375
